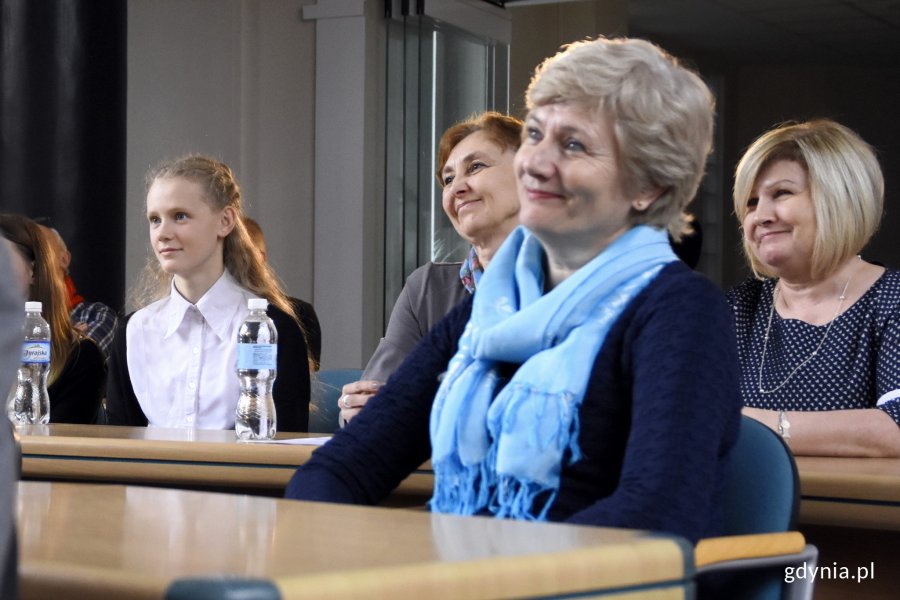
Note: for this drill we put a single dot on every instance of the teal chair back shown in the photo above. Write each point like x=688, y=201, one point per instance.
x=326, y=389
x=762, y=496
x=763, y=491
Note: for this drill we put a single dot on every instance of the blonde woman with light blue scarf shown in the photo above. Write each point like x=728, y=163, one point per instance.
x=592, y=377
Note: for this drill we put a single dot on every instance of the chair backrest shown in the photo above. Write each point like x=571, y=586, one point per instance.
x=323, y=414
x=763, y=490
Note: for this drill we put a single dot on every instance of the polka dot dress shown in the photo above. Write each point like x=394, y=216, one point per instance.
x=857, y=366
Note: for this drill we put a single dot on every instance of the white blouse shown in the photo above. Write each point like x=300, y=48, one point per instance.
x=182, y=357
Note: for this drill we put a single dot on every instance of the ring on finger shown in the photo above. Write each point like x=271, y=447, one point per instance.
x=345, y=401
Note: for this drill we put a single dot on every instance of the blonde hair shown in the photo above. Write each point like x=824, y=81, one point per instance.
x=242, y=259
x=662, y=115
x=844, y=180
x=48, y=286
x=258, y=239
x=256, y=234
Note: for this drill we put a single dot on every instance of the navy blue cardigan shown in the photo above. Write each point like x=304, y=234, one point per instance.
x=658, y=421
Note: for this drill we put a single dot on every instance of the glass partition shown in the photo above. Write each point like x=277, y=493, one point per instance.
x=437, y=74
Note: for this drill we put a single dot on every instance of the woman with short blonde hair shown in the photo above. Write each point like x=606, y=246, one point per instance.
x=663, y=137
x=818, y=327
x=837, y=162
x=592, y=377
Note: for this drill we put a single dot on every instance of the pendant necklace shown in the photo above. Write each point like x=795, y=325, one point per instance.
x=762, y=359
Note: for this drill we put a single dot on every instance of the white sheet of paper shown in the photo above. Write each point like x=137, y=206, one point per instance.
x=311, y=441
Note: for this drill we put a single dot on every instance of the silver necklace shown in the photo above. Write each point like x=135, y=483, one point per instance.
x=762, y=359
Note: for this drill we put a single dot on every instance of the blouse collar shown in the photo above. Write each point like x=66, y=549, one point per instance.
x=217, y=306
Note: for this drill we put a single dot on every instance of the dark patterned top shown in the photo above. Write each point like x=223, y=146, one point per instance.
x=857, y=367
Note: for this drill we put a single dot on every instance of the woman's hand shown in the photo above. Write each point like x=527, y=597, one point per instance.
x=769, y=418
x=859, y=432
x=354, y=396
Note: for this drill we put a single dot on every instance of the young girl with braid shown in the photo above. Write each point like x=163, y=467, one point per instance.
x=173, y=362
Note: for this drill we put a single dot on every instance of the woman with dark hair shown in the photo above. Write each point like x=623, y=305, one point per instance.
x=474, y=170
x=77, y=369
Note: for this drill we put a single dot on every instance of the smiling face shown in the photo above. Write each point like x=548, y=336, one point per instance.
x=479, y=190
x=570, y=184
x=186, y=233
x=780, y=224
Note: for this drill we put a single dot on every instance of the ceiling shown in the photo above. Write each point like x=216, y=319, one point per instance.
x=753, y=31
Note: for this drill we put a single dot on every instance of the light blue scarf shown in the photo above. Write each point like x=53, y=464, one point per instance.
x=501, y=453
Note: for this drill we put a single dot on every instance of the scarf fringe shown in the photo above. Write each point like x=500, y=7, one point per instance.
x=470, y=489
x=462, y=490
x=567, y=426
x=516, y=498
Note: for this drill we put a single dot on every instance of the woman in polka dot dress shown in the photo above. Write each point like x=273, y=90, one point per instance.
x=819, y=328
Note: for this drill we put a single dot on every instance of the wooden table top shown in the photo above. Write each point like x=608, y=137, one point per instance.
x=876, y=479
x=200, y=445
x=192, y=458
x=850, y=492
x=111, y=541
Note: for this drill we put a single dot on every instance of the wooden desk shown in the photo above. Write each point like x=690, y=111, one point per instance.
x=850, y=510
x=847, y=492
x=850, y=492
x=185, y=458
x=113, y=541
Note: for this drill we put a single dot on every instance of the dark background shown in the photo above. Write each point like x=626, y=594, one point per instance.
x=62, y=130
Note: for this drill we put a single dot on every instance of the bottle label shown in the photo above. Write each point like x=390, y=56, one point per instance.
x=35, y=352
x=257, y=356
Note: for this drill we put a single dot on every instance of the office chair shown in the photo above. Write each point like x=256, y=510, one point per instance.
x=762, y=499
x=326, y=389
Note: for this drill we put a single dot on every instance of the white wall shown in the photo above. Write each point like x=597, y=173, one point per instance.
x=238, y=79
x=349, y=177
x=235, y=79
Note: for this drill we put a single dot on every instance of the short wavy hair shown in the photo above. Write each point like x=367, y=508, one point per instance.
x=845, y=184
x=662, y=115
x=503, y=130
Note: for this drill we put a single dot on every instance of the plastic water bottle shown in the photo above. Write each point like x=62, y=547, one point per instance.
x=257, y=355
x=31, y=402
